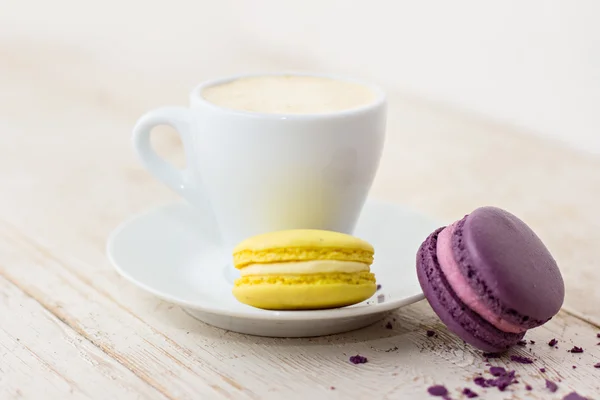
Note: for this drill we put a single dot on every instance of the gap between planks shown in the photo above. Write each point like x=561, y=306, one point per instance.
x=576, y=314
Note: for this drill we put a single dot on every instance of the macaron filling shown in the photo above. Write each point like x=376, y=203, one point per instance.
x=305, y=268
x=460, y=285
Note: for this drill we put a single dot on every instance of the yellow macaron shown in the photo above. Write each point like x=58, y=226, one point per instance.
x=303, y=269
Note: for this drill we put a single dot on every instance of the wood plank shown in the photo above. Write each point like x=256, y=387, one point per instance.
x=187, y=359
x=42, y=358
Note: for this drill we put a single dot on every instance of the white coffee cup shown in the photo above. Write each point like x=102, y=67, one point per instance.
x=264, y=172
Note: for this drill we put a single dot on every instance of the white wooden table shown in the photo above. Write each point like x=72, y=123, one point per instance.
x=70, y=327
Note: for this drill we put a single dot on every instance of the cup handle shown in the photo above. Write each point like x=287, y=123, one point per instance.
x=181, y=119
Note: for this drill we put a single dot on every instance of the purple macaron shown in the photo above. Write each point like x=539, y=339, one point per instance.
x=490, y=278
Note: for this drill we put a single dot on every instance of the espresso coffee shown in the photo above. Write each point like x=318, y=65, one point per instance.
x=289, y=94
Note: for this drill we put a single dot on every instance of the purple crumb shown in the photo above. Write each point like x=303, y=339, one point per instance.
x=497, y=371
x=504, y=381
x=576, y=349
x=543, y=370
x=574, y=366
x=430, y=333
x=480, y=381
x=521, y=359
x=532, y=341
x=597, y=365
x=332, y=388
x=501, y=382
x=357, y=359
x=469, y=393
x=528, y=387
x=378, y=286
x=552, y=343
x=553, y=387
x=598, y=335
x=437, y=390
x=574, y=396
x=521, y=343
x=388, y=325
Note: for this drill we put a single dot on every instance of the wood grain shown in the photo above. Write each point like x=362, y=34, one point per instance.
x=68, y=177
x=44, y=358
x=146, y=351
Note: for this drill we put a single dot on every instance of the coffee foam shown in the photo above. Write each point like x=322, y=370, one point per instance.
x=289, y=94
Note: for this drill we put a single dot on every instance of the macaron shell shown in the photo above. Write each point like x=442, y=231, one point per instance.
x=507, y=264
x=303, y=296
x=302, y=238
x=459, y=319
x=301, y=245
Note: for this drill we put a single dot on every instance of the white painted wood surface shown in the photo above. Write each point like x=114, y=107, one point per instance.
x=44, y=358
x=68, y=176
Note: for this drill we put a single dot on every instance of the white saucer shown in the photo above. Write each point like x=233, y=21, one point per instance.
x=173, y=252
